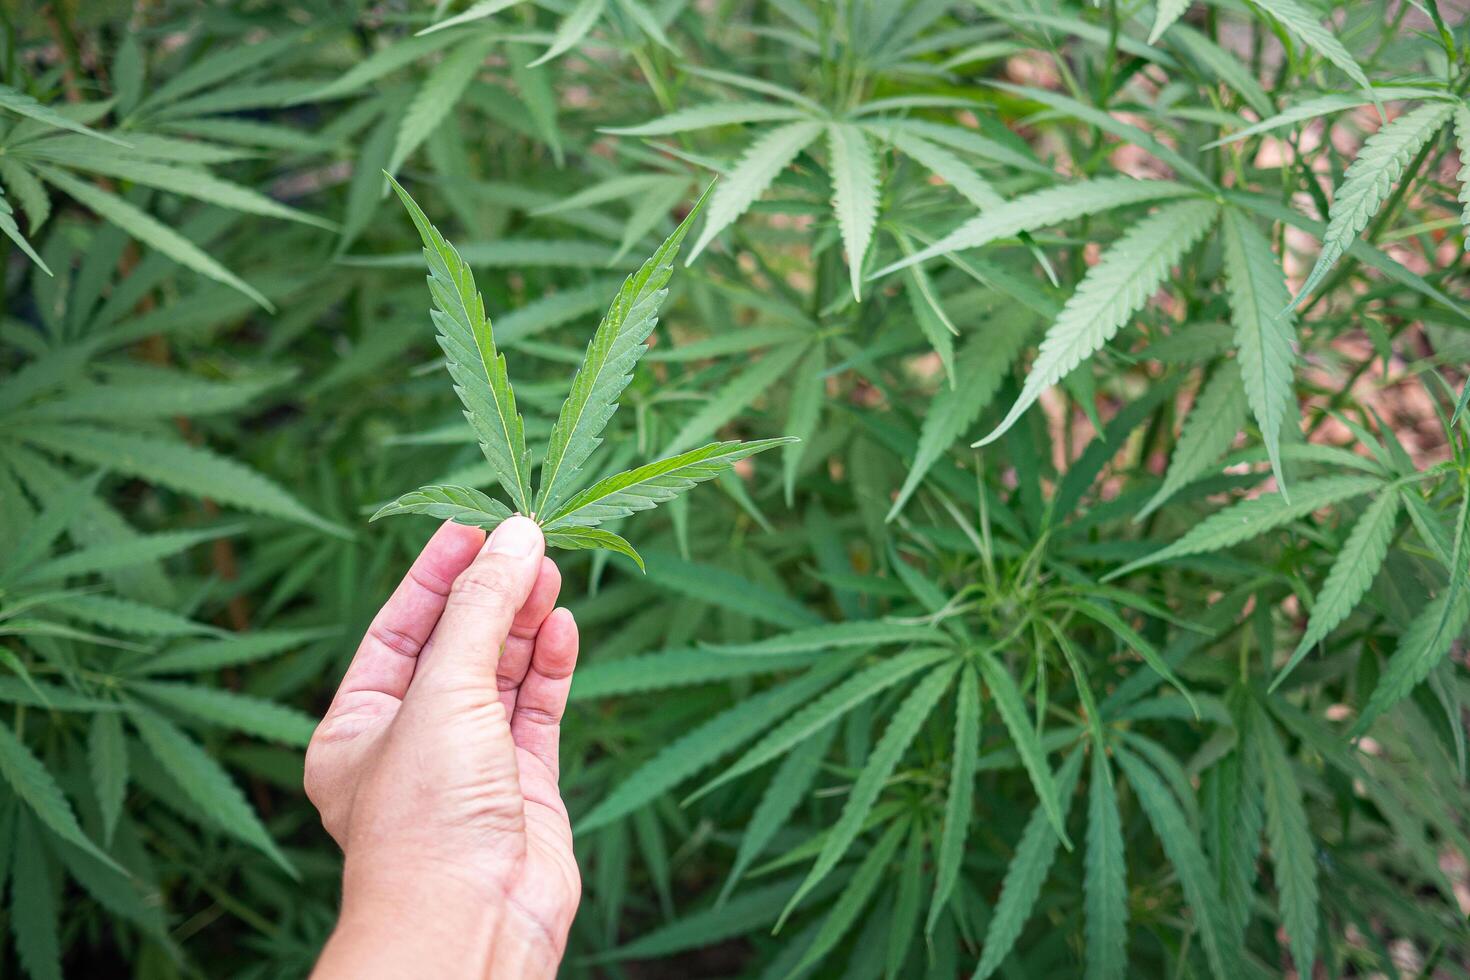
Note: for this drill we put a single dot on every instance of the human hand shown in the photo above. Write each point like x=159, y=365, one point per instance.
x=435, y=768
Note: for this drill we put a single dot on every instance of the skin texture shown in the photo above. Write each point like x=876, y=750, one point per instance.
x=435, y=769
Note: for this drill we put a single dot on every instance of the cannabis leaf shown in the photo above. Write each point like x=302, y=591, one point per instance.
x=1292, y=849
x=1234, y=805
x=35, y=787
x=1352, y=572
x=23, y=105
x=1043, y=208
x=463, y=505
x=961, y=793
x=1248, y=518
x=1028, y=744
x=1026, y=874
x=36, y=920
x=789, y=786
x=1213, y=421
x=607, y=368
x=1462, y=143
x=1105, y=882
x=1113, y=291
x=205, y=783
x=483, y=384
x=107, y=753
x=1368, y=180
x=652, y=484
x=763, y=160
x=1430, y=634
x=860, y=888
x=901, y=731
x=852, y=139
x=1169, y=12
x=1263, y=328
x=148, y=229
x=830, y=707
x=434, y=100
x=1299, y=20
x=1181, y=845
x=53, y=145
x=983, y=363
x=854, y=194
x=477, y=367
x=573, y=28
x=710, y=741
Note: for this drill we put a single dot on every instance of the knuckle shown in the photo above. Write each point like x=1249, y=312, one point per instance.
x=574, y=882
x=429, y=580
x=538, y=715
x=478, y=707
x=312, y=780
x=395, y=640
x=317, y=782
x=483, y=584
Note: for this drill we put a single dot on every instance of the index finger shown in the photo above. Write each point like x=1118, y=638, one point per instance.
x=386, y=659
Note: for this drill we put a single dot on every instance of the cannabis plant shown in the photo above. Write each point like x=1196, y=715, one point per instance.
x=1103, y=616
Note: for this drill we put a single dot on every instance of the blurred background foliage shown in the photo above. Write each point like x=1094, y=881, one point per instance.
x=1098, y=697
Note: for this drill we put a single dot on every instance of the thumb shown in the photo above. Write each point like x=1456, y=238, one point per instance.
x=482, y=604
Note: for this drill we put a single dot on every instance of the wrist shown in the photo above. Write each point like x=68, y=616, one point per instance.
x=416, y=923
x=522, y=954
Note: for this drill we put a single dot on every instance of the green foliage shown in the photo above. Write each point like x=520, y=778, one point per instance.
x=1164, y=677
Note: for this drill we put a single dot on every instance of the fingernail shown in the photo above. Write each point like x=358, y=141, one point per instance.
x=516, y=536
